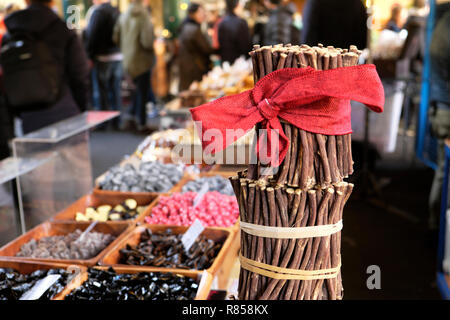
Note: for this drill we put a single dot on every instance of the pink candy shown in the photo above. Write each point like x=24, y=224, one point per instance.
x=214, y=210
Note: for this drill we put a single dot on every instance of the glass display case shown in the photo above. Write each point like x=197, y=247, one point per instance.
x=51, y=168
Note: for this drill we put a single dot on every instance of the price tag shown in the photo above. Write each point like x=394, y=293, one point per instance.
x=201, y=194
x=40, y=287
x=192, y=234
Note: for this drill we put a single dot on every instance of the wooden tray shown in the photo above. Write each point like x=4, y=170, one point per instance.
x=9, y=251
x=112, y=257
x=223, y=274
x=95, y=200
x=202, y=293
x=25, y=267
x=138, y=196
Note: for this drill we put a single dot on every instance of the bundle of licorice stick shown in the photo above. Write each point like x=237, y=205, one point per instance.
x=307, y=190
x=312, y=158
x=278, y=205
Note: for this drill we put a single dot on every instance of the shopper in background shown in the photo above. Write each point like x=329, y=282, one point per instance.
x=440, y=103
x=234, y=36
x=195, y=48
x=6, y=129
x=257, y=20
x=397, y=18
x=95, y=103
x=280, y=28
x=134, y=34
x=95, y=4
x=105, y=54
x=336, y=23
x=415, y=42
x=214, y=20
x=5, y=118
x=40, y=21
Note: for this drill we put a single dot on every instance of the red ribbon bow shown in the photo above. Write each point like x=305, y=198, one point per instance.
x=312, y=100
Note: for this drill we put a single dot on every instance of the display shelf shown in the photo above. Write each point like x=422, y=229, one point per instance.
x=69, y=127
x=65, y=176
x=443, y=278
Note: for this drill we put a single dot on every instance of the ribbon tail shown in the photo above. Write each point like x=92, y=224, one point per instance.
x=272, y=144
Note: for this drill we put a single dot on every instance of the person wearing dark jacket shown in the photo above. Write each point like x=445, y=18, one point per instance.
x=105, y=54
x=6, y=129
x=234, y=35
x=39, y=19
x=279, y=28
x=195, y=48
x=335, y=23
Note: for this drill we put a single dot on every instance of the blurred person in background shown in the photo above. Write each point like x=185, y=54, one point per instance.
x=214, y=20
x=279, y=28
x=5, y=118
x=6, y=124
x=397, y=18
x=70, y=84
x=6, y=129
x=134, y=35
x=335, y=23
x=256, y=20
x=95, y=4
x=234, y=36
x=415, y=42
x=440, y=103
x=95, y=90
x=194, y=48
x=105, y=55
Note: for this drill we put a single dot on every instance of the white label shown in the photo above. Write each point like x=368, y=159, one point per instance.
x=201, y=194
x=192, y=234
x=40, y=287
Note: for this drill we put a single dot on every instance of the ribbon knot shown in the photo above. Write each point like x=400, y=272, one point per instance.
x=267, y=109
